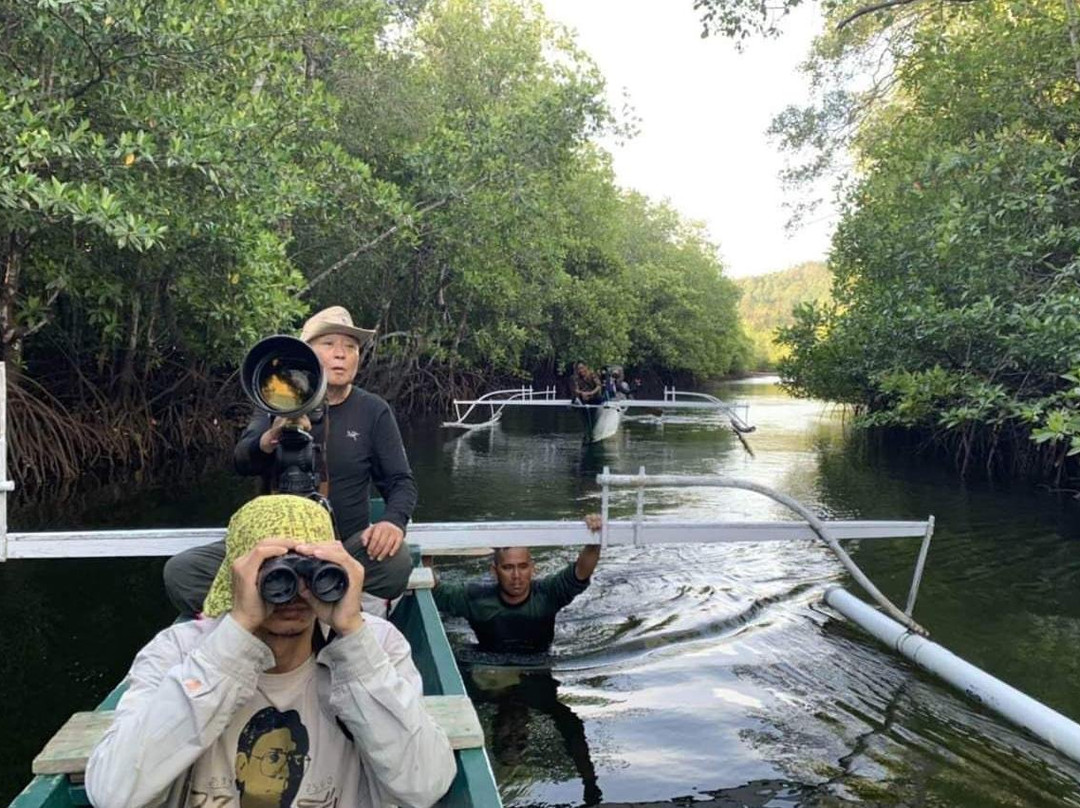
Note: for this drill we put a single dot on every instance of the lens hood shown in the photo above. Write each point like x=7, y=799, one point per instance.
x=282, y=375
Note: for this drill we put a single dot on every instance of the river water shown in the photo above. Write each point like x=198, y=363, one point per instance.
x=685, y=675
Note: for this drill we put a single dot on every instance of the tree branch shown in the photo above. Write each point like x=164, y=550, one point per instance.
x=363, y=248
x=874, y=7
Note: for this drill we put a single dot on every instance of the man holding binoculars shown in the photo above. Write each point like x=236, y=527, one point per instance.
x=357, y=442
x=255, y=706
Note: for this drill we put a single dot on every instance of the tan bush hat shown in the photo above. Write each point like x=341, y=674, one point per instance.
x=334, y=320
x=276, y=516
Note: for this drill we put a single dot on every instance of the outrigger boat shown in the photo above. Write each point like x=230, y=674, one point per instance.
x=57, y=769
x=602, y=420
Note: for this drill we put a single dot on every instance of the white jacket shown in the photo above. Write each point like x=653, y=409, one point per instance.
x=186, y=684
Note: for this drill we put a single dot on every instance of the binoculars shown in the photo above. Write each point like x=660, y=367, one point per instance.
x=279, y=578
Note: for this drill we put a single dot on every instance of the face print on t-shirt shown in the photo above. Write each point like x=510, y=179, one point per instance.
x=271, y=755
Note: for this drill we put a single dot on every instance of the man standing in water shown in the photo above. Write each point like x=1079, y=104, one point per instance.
x=515, y=614
x=585, y=387
x=360, y=444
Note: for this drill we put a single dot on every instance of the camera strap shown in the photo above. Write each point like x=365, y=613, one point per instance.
x=324, y=478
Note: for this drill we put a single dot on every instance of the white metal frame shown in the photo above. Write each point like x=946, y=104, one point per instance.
x=520, y=395
x=641, y=481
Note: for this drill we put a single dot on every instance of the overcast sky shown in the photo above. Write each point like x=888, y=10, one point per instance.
x=704, y=109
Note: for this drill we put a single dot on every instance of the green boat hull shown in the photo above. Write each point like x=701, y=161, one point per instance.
x=416, y=616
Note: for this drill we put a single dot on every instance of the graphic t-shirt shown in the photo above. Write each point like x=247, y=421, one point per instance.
x=279, y=750
x=527, y=627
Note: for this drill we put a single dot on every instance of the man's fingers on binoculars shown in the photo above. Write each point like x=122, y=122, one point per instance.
x=269, y=548
x=252, y=560
x=329, y=551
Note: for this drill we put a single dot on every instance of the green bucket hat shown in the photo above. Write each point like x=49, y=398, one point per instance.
x=277, y=516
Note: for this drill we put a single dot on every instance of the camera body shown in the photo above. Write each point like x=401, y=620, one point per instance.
x=280, y=577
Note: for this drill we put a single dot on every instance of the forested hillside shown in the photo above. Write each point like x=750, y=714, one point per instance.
x=182, y=177
x=957, y=258
x=768, y=301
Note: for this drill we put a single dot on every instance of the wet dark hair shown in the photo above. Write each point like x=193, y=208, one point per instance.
x=498, y=551
x=265, y=721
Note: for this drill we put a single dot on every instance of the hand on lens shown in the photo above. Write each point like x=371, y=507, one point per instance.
x=382, y=540
x=344, y=615
x=269, y=439
x=249, y=609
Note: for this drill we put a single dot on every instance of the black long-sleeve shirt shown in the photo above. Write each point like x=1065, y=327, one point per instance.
x=363, y=447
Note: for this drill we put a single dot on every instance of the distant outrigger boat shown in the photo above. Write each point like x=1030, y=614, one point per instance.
x=602, y=420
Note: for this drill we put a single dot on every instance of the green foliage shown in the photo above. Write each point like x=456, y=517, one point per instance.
x=956, y=271
x=768, y=303
x=150, y=156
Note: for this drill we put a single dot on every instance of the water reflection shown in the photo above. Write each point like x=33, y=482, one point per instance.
x=518, y=707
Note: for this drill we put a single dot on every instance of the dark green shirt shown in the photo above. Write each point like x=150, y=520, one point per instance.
x=528, y=627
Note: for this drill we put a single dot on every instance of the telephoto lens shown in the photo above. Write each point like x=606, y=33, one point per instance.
x=279, y=578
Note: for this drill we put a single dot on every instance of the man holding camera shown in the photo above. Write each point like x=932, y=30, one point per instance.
x=360, y=445
x=257, y=707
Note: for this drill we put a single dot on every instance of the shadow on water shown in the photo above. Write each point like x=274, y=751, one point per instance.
x=530, y=731
x=687, y=674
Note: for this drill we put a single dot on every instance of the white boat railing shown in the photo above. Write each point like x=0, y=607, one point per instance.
x=495, y=404
x=457, y=535
x=737, y=418
x=497, y=400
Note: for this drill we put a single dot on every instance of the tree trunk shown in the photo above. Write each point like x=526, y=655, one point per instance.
x=10, y=339
x=1074, y=34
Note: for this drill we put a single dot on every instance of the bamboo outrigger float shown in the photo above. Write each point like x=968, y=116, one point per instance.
x=601, y=420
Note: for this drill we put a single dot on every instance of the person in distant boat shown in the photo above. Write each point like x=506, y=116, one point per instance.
x=514, y=613
x=622, y=387
x=360, y=444
x=256, y=706
x=585, y=386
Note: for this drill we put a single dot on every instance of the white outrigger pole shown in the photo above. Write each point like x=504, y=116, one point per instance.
x=604, y=418
x=895, y=628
